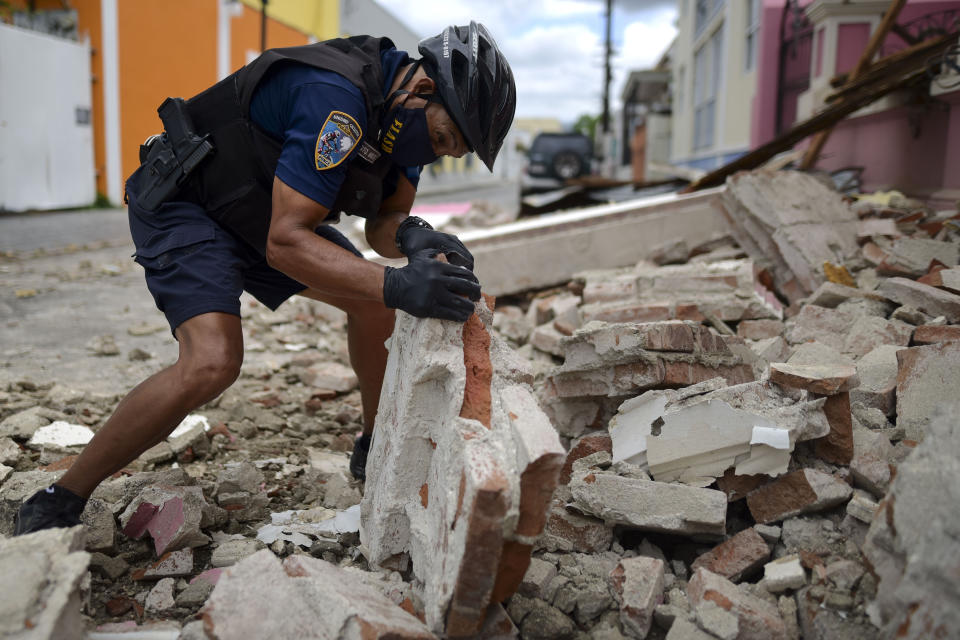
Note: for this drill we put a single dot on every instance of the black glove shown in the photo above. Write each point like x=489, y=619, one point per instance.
x=428, y=288
x=415, y=235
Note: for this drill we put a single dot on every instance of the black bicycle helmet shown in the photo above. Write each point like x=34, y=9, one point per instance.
x=475, y=84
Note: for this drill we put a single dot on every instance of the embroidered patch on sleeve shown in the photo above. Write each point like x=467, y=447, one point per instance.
x=338, y=136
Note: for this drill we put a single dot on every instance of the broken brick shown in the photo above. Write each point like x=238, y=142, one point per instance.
x=926, y=376
x=735, y=558
x=837, y=446
x=936, y=302
x=582, y=447
x=801, y=491
x=823, y=379
x=171, y=515
x=757, y=619
x=930, y=334
x=638, y=586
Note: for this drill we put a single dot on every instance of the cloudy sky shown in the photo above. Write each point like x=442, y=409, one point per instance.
x=556, y=46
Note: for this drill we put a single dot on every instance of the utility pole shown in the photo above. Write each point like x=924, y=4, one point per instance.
x=606, y=137
x=607, y=73
x=263, y=26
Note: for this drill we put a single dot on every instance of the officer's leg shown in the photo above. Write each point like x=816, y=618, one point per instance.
x=369, y=324
x=211, y=351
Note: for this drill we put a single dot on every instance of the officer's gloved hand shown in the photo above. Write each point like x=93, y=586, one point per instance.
x=415, y=235
x=428, y=288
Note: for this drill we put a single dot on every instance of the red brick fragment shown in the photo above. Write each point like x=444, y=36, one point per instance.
x=930, y=334
x=737, y=557
x=737, y=487
x=837, y=446
x=476, y=359
x=582, y=447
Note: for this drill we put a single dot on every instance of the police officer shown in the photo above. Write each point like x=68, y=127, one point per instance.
x=234, y=197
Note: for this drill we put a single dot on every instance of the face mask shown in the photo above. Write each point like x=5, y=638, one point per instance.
x=407, y=138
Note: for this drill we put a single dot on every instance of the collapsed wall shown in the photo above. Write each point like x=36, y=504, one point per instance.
x=461, y=470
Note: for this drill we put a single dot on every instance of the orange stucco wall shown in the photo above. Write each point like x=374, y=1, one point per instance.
x=88, y=22
x=165, y=49
x=245, y=36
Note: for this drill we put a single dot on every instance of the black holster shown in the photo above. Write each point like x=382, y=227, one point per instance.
x=168, y=159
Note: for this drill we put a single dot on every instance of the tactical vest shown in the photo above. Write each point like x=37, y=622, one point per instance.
x=235, y=184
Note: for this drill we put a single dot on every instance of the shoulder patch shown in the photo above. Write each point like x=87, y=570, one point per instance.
x=337, y=138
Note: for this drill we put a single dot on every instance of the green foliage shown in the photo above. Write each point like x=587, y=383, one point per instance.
x=587, y=125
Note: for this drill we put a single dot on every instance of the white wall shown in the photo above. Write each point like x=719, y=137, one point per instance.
x=367, y=18
x=46, y=132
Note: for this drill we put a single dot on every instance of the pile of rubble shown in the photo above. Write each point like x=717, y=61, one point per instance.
x=746, y=439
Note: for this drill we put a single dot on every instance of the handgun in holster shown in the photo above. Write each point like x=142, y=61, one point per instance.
x=169, y=158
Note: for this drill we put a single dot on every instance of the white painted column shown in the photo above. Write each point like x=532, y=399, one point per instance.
x=225, y=11
x=111, y=100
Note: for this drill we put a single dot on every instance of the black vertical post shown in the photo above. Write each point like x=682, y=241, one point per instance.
x=263, y=26
x=607, y=73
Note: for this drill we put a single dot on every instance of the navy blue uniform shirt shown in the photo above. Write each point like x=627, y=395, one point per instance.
x=303, y=106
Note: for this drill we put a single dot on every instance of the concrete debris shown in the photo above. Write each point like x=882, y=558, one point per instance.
x=909, y=256
x=305, y=526
x=172, y=564
x=716, y=620
x=930, y=334
x=9, y=451
x=43, y=586
x=171, y=515
x=846, y=331
x=825, y=380
x=923, y=297
x=231, y=552
x=160, y=599
x=910, y=543
x=735, y=558
x=647, y=505
x=926, y=377
x=22, y=425
x=801, y=491
x=568, y=531
x=793, y=222
x=60, y=434
x=461, y=473
x=760, y=329
x=783, y=574
x=757, y=619
x=696, y=434
x=330, y=375
x=877, y=371
x=100, y=527
x=670, y=393
x=615, y=360
x=306, y=598
x=728, y=290
x=638, y=585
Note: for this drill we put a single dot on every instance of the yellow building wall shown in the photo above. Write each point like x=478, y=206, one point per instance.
x=245, y=36
x=318, y=18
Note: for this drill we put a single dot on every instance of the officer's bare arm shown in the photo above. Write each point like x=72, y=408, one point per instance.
x=381, y=230
x=294, y=249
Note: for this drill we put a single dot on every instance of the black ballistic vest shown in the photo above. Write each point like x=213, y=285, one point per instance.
x=235, y=184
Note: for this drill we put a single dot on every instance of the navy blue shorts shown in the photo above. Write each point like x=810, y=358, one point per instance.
x=194, y=266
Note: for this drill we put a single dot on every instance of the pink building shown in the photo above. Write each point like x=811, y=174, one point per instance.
x=903, y=141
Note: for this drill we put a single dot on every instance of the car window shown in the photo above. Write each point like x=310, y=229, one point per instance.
x=550, y=144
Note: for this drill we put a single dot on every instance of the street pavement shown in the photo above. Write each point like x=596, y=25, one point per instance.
x=67, y=279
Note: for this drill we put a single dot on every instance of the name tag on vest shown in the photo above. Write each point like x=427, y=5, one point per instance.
x=368, y=152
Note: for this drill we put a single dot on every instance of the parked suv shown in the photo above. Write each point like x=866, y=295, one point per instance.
x=555, y=157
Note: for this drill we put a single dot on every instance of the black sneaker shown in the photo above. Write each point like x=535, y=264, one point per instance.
x=358, y=459
x=47, y=509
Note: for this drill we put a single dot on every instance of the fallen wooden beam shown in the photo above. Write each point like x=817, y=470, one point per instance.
x=826, y=118
x=873, y=45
